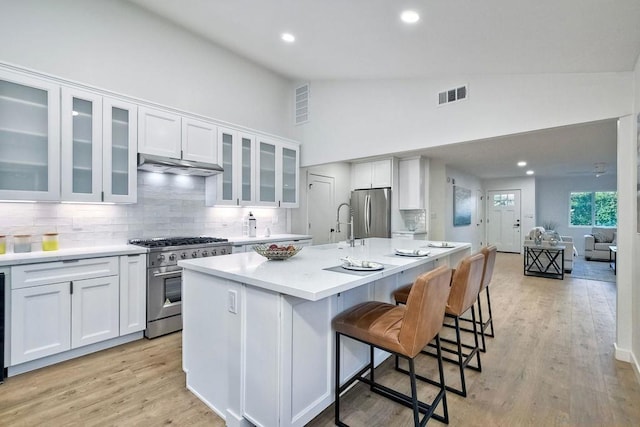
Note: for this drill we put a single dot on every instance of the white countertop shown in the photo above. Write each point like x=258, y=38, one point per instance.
x=70, y=253
x=245, y=240
x=303, y=275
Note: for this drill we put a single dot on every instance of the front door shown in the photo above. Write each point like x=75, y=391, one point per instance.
x=503, y=220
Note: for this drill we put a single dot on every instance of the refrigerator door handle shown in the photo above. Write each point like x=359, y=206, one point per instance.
x=368, y=213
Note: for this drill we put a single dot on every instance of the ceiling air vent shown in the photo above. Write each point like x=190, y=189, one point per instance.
x=452, y=95
x=302, y=104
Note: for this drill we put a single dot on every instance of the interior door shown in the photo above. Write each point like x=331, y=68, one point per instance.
x=503, y=220
x=321, y=206
x=479, y=213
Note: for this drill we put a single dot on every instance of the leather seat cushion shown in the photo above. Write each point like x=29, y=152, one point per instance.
x=402, y=294
x=375, y=322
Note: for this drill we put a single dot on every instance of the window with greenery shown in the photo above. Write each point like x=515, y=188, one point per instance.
x=599, y=208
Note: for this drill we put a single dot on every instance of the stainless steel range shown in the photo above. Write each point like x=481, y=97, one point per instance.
x=164, y=277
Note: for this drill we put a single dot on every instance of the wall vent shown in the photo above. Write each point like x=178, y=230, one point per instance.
x=453, y=95
x=302, y=104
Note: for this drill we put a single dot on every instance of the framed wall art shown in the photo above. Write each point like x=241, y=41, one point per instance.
x=461, y=206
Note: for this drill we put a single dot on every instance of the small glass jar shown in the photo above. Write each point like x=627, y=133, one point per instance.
x=22, y=243
x=3, y=244
x=50, y=242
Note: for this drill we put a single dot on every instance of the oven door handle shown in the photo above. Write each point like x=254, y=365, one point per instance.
x=168, y=273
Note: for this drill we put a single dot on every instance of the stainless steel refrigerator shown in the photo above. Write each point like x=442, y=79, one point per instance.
x=371, y=212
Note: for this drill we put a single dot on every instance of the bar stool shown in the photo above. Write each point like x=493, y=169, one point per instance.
x=490, y=253
x=402, y=331
x=465, y=285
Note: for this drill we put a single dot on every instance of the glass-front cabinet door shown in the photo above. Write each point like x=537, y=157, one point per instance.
x=81, y=145
x=29, y=138
x=119, y=149
x=228, y=156
x=266, y=179
x=289, y=184
x=247, y=168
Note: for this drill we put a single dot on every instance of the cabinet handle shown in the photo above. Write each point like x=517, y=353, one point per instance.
x=67, y=261
x=71, y=287
x=238, y=201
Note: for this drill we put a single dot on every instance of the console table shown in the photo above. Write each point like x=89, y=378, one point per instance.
x=544, y=261
x=613, y=255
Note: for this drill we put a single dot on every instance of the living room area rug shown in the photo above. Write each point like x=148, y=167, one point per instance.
x=592, y=270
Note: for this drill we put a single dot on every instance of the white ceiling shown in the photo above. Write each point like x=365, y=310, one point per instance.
x=355, y=39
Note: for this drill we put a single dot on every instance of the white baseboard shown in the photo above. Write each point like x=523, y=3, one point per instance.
x=636, y=366
x=622, y=355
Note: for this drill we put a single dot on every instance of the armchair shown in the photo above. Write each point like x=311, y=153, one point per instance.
x=596, y=244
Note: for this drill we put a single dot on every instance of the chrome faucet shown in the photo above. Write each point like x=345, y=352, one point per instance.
x=352, y=240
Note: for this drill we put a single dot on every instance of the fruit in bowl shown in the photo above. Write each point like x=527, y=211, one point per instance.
x=277, y=252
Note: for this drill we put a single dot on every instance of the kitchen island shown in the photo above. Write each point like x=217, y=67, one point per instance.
x=257, y=338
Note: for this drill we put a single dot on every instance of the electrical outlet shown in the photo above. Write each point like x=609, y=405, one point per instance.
x=274, y=219
x=232, y=303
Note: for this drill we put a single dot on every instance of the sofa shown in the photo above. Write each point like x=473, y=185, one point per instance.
x=566, y=241
x=596, y=244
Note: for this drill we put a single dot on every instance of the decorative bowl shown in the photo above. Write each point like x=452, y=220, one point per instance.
x=277, y=254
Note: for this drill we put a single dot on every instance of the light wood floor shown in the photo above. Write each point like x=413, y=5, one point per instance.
x=551, y=363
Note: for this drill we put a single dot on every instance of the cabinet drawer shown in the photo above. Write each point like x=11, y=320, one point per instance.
x=24, y=276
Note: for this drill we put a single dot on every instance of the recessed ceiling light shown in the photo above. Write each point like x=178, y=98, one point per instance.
x=410, y=16
x=288, y=37
x=522, y=164
x=530, y=172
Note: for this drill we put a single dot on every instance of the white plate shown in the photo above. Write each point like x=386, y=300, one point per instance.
x=441, y=245
x=373, y=266
x=410, y=253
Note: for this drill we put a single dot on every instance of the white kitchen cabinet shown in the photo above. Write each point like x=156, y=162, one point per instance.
x=98, y=148
x=159, y=132
x=94, y=310
x=236, y=185
x=133, y=293
x=409, y=235
x=29, y=137
x=199, y=140
x=40, y=321
x=411, y=183
x=375, y=174
x=167, y=134
x=81, y=145
x=58, y=306
x=277, y=177
x=119, y=151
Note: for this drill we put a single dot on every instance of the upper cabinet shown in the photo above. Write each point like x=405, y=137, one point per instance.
x=159, y=133
x=119, y=150
x=163, y=133
x=375, y=174
x=411, y=183
x=199, y=141
x=29, y=138
x=235, y=186
x=98, y=148
x=278, y=164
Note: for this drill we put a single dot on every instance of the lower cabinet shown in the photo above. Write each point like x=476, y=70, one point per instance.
x=133, y=293
x=59, y=306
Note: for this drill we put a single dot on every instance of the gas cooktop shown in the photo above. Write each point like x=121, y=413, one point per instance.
x=161, y=242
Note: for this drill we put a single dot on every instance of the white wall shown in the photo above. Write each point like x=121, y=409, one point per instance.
x=527, y=187
x=464, y=233
x=117, y=46
x=552, y=201
x=634, y=283
x=168, y=205
x=354, y=119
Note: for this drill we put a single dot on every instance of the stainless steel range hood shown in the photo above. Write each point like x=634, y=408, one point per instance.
x=153, y=163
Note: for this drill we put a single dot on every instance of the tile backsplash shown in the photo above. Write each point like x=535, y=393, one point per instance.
x=168, y=205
